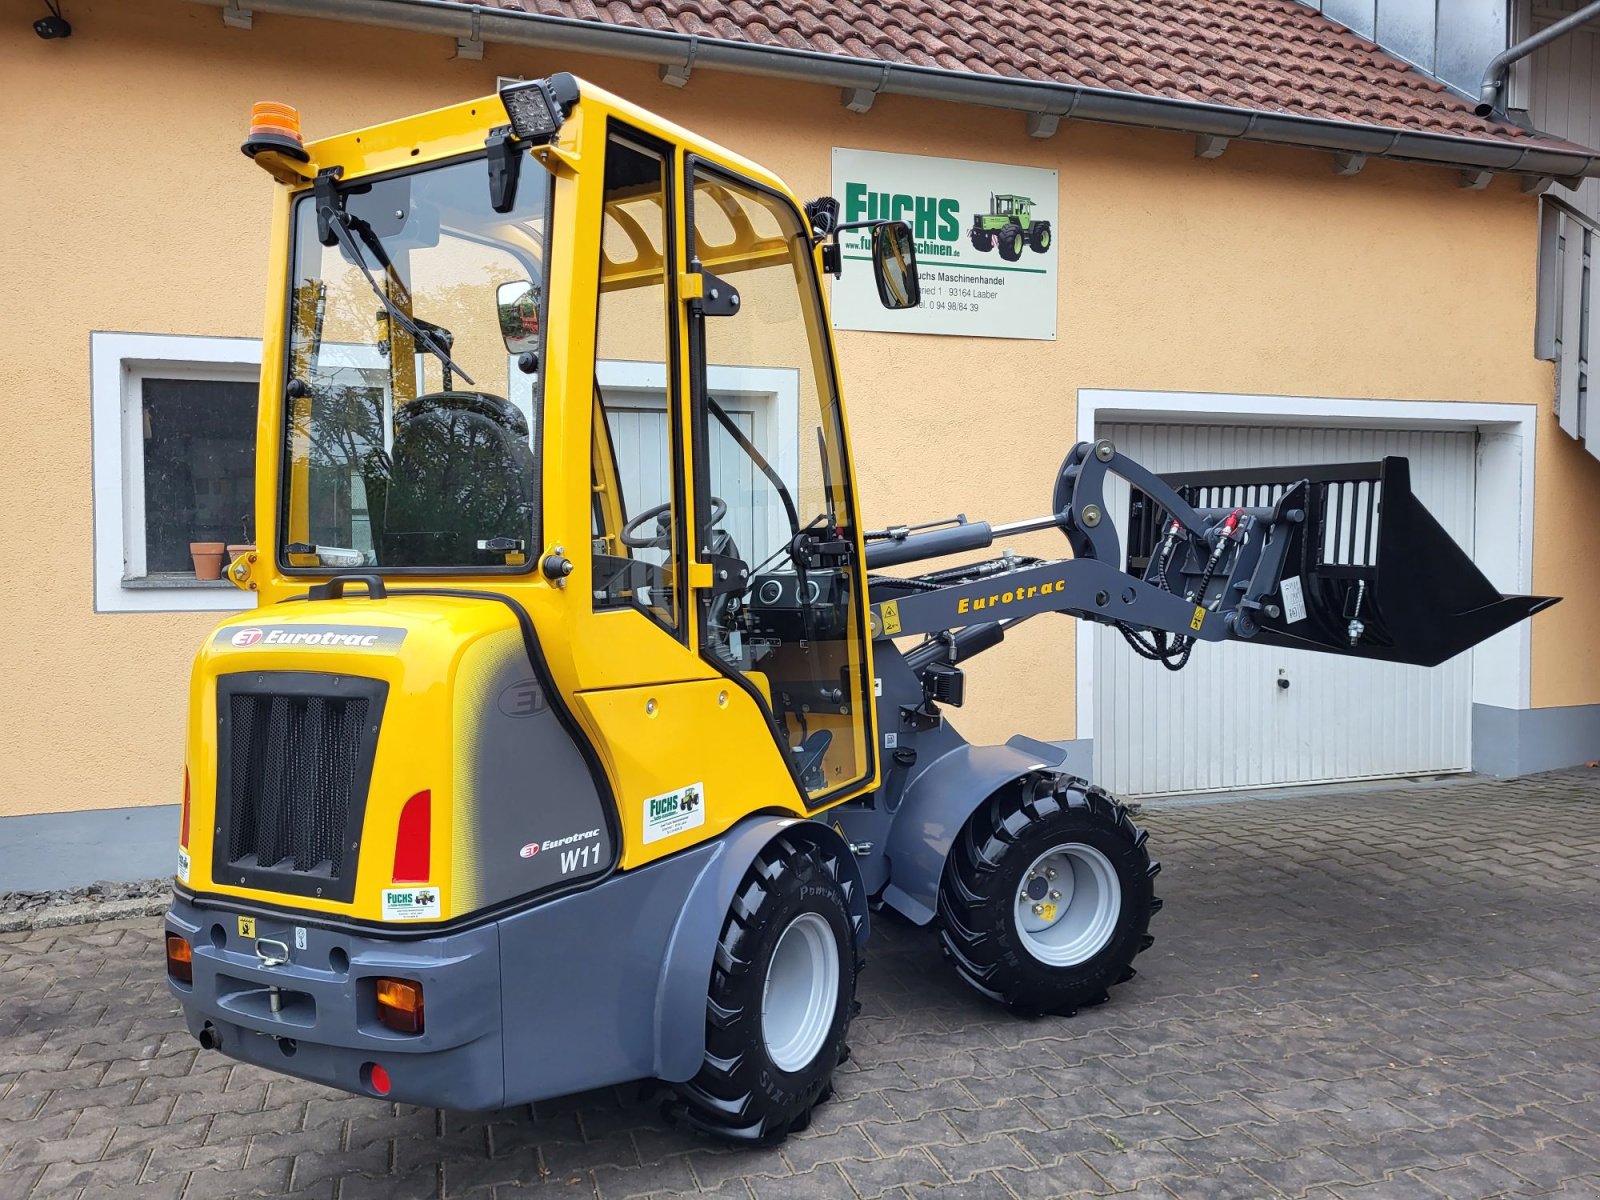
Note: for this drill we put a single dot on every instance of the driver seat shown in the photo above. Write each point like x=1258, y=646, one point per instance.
x=463, y=472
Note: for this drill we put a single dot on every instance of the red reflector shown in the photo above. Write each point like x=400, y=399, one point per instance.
x=378, y=1079
x=413, y=842
x=183, y=829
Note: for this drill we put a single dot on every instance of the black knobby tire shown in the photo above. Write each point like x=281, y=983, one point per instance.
x=1039, y=237
x=984, y=880
x=1011, y=243
x=740, y=1094
x=982, y=240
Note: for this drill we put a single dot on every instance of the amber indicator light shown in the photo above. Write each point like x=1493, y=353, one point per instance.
x=180, y=959
x=400, y=1005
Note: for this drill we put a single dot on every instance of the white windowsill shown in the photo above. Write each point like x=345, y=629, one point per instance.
x=154, y=582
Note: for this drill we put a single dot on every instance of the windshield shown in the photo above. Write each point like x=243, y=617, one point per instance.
x=409, y=438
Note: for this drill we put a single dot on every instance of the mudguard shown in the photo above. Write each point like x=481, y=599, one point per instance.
x=680, y=1010
x=937, y=803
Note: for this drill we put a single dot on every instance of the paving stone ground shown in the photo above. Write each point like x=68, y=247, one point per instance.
x=1386, y=993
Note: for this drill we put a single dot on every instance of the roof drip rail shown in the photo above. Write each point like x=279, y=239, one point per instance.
x=1494, y=75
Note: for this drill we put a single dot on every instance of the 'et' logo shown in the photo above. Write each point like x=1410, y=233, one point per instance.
x=246, y=637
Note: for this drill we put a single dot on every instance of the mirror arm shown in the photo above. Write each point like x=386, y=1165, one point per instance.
x=833, y=254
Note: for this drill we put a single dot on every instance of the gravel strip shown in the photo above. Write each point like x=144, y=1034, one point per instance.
x=101, y=901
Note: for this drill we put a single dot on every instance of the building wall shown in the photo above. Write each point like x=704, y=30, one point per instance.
x=130, y=208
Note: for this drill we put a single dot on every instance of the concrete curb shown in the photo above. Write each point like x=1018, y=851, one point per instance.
x=85, y=913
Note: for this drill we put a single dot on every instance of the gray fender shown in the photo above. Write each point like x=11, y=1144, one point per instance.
x=680, y=1032
x=937, y=803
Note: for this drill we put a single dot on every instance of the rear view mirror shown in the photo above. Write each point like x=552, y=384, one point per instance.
x=518, y=302
x=894, y=264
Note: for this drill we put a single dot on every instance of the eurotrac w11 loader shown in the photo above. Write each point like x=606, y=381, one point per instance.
x=581, y=722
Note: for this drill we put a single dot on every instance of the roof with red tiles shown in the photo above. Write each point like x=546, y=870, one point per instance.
x=1268, y=55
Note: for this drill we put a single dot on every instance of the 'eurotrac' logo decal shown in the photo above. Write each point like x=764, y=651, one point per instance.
x=332, y=637
x=999, y=599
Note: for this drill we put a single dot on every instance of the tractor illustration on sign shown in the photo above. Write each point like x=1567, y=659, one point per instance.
x=1007, y=225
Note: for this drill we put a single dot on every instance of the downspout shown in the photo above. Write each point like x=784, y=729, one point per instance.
x=1494, y=75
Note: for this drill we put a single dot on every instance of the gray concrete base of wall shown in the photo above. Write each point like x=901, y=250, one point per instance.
x=1522, y=741
x=65, y=850
x=46, y=851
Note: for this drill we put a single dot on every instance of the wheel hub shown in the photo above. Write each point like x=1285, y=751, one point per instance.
x=1068, y=905
x=801, y=992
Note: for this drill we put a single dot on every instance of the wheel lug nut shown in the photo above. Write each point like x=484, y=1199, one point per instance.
x=1049, y=872
x=1055, y=895
x=1038, y=910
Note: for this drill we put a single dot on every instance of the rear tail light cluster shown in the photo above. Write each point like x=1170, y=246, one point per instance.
x=180, y=959
x=400, y=1005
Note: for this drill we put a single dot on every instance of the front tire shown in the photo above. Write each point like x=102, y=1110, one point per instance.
x=781, y=998
x=1011, y=243
x=1047, y=896
x=982, y=240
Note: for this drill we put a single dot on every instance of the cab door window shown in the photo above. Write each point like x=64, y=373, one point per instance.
x=774, y=512
x=635, y=507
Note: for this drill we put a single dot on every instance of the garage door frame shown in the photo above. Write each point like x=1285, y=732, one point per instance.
x=1502, y=516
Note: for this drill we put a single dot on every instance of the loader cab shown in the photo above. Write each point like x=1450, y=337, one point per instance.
x=589, y=369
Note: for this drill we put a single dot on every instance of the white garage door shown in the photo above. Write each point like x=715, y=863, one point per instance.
x=1226, y=721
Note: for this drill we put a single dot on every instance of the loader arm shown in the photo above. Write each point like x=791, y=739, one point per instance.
x=1338, y=559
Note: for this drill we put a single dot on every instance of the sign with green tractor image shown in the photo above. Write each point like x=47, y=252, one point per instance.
x=1008, y=226
x=985, y=238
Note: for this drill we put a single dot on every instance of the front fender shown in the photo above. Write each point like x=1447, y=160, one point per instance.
x=680, y=1032
x=937, y=804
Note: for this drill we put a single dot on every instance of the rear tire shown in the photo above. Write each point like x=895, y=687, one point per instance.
x=1047, y=896
x=1039, y=237
x=782, y=994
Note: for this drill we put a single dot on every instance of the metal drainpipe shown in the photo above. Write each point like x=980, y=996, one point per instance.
x=1494, y=74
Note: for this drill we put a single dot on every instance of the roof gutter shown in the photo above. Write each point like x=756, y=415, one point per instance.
x=684, y=52
x=1494, y=75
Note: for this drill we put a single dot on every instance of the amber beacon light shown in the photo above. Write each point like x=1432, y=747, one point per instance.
x=275, y=126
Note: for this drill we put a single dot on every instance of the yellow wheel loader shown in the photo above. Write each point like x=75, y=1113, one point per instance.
x=581, y=724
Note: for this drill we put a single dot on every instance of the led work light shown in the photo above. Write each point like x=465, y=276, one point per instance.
x=538, y=107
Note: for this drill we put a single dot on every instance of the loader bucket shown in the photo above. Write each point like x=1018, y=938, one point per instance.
x=1369, y=572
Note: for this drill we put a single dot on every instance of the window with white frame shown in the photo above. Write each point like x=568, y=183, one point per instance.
x=175, y=457
x=174, y=464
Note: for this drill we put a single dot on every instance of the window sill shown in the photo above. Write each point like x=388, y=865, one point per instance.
x=172, y=582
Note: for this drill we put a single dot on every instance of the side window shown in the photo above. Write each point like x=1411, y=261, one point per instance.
x=635, y=522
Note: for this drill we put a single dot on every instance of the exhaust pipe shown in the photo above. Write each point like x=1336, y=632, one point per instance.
x=209, y=1038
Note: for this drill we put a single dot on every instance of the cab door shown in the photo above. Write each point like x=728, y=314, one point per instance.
x=779, y=598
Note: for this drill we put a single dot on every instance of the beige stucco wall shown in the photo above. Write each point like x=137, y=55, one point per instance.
x=128, y=207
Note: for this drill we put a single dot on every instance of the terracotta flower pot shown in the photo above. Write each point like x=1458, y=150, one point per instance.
x=207, y=558
x=241, y=548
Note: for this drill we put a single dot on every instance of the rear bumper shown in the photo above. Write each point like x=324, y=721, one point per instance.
x=326, y=1026
x=597, y=987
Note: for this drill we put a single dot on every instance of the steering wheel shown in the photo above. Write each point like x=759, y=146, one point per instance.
x=662, y=538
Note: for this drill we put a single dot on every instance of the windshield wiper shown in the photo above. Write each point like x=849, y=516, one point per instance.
x=343, y=226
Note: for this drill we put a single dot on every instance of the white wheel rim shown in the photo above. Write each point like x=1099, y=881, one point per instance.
x=1067, y=905
x=801, y=993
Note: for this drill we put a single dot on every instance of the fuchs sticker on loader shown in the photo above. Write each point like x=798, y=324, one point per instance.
x=504, y=622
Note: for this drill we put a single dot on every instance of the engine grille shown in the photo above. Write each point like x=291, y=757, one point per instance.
x=295, y=754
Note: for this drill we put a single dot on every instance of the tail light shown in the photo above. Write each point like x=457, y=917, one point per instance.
x=180, y=959
x=413, y=841
x=400, y=1005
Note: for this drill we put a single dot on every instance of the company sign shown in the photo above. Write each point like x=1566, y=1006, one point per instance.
x=336, y=637
x=986, y=244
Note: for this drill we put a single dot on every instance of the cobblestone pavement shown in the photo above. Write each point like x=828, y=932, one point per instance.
x=1392, y=993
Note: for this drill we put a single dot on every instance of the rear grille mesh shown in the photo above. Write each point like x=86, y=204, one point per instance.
x=295, y=759
x=293, y=769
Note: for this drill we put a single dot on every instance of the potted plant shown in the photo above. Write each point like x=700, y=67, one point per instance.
x=207, y=559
